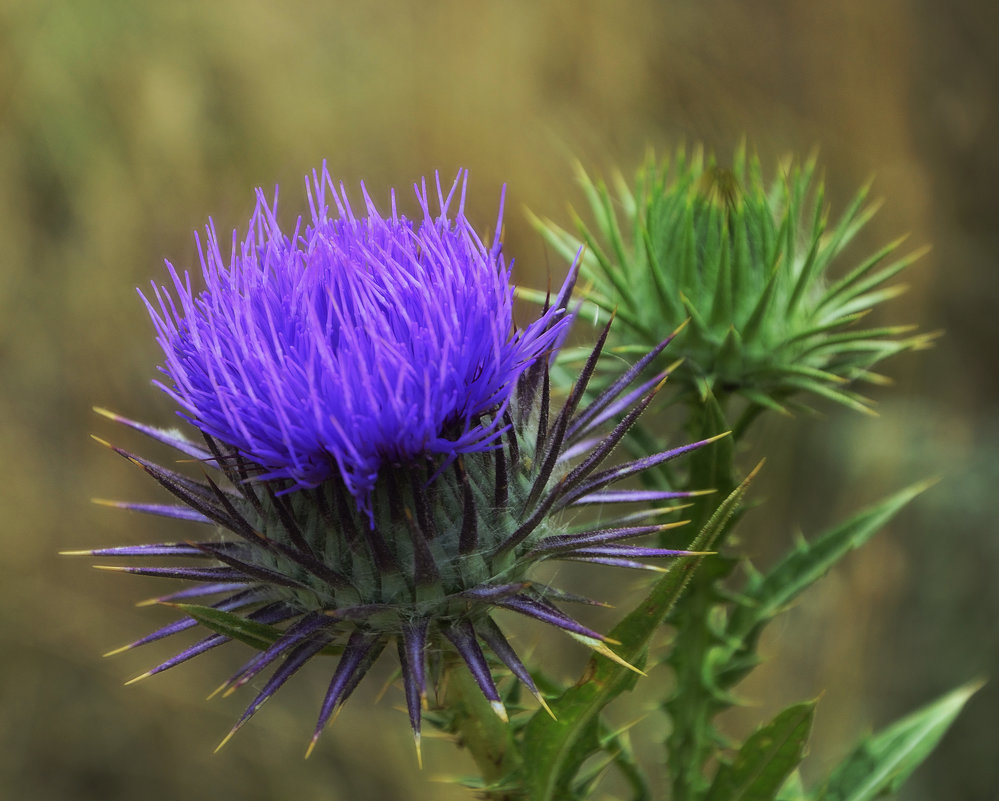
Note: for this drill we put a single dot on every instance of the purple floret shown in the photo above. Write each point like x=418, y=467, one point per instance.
x=356, y=342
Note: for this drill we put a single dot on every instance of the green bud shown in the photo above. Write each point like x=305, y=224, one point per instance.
x=773, y=309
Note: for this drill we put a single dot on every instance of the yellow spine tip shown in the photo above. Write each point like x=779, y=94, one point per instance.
x=419, y=750
x=603, y=650
x=106, y=502
x=226, y=739
x=121, y=650
x=76, y=553
x=217, y=690
x=312, y=746
x=145, y=675
x=544, y=705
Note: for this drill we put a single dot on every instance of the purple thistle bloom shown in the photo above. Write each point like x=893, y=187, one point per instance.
x=389, y=465
x=354, y=342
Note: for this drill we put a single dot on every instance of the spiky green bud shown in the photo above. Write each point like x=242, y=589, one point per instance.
x=774, y=309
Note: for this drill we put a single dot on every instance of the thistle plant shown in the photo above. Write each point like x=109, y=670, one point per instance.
x=382, y=459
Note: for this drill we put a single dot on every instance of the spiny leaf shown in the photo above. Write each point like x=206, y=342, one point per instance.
x=766, y=596
x=882, y=762
x=766, y=759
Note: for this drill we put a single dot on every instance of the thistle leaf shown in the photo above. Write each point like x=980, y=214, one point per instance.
x=766, y=759
x=766, y=596
x=882, y=762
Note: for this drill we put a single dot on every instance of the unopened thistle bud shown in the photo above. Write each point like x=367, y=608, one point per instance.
x=755, y=267
x=383, y=462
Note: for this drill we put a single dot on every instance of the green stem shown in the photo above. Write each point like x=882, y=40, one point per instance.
x=487, y=737
x=693, y=739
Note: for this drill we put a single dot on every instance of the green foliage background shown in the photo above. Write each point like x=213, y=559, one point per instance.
x=123, y=125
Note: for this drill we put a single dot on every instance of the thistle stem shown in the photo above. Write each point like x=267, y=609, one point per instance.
x=693, y=738
x=488, y=738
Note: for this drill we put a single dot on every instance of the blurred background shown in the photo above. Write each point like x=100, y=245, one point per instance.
x=124, y=124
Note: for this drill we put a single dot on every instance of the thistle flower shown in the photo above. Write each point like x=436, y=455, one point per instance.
x=382, y=460
x=751, y=266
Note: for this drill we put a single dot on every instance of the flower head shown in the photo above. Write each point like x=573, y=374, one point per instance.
x=388, y=463
x=353, y=343
x=753, y=266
